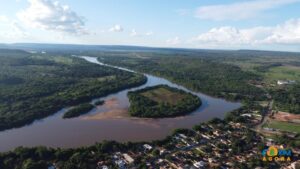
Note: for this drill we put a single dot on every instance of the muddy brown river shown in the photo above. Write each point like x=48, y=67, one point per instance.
x=110, y=121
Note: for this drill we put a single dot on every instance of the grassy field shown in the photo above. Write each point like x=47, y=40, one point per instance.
x=286, y=72
x=163, y=95
x=284, y=126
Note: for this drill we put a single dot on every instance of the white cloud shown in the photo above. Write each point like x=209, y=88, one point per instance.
x=116, y=28
x=133, y=33
x=286, y=33
x=240, y=10
x=14, y=31
x=50, y=15
x=19, y=30
x=3, y=18
x=149, y=33
x=174, y=41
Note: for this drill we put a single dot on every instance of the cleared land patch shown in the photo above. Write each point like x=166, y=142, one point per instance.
x=164, y=95
x=287, y=117
x=286, y=72
x=161, y=101
x=283, y=126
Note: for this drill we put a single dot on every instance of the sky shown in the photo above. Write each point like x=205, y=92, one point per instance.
x=205, y=24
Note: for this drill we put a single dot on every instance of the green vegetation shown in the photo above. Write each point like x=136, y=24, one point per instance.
x=33, y=87
x=287, y=140
x=28, y=90
x=287, y=99
x=78, y=110
x=203, y=74
x=161, y=101
x=99, y=102
x=286, y=72
x=234, y=75
x=283, y=126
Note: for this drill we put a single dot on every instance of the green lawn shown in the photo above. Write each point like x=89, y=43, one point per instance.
x=284, y=126
x=164, y=95
x=283, y=73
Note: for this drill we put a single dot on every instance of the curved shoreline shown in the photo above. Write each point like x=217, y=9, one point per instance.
x=111, y=122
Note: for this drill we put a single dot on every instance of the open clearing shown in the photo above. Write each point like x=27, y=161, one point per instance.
x=286, y=72
x=287, y=117
x=163, y=95
x=284, y=126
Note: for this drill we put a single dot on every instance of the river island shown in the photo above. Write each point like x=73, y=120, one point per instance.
x=162, y=101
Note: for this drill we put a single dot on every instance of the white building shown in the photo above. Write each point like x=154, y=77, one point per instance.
x=147, y=147
x=285, y=82
x=128, y=158
x=121, y=164
x=200, y=164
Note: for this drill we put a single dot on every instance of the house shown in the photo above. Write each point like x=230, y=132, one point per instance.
x=104, y=167
x=121, y=164
x=162, y=151
x=205, y=136
x=200, y=164
x=128, y=158
x=183, y=136
x=246, y=115
x=147, y=147
x=285, y=82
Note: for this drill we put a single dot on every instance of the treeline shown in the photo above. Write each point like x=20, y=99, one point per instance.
x=78, y=110
x=287, y=99
x=33, y=87
x=207, y=75
x=142, y=106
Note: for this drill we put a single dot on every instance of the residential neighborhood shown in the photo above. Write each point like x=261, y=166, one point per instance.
x=215, y=144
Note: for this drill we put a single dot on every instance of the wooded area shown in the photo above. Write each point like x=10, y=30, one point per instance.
x=147, y=106
x=33, y=87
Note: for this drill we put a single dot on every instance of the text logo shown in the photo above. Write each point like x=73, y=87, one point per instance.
x=275, y=154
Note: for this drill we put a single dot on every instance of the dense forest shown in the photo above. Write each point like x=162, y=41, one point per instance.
x=35, y=86
x=179, y=102
x=202, y=74
x=234, y=75
x=288, y=99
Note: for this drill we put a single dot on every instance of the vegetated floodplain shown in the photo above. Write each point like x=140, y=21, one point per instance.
x=34, y=86
x=234, y=75
x=99, y=102
x=202, y=74
x=78, y=110
x=161, y=101
x=284, y=126
x=286, y=72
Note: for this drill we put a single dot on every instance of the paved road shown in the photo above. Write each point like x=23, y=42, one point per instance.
x=265, y=116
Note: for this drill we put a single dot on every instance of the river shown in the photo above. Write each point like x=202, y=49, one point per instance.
x=110, y=121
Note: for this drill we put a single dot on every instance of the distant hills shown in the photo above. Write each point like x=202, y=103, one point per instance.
x=71, y=48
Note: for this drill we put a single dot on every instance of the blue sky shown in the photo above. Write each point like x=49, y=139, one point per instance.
x=222, y=24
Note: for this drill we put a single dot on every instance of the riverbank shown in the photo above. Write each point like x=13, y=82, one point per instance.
x=54, y=131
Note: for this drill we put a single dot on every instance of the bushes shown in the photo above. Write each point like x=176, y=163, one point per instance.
x=78, y=110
